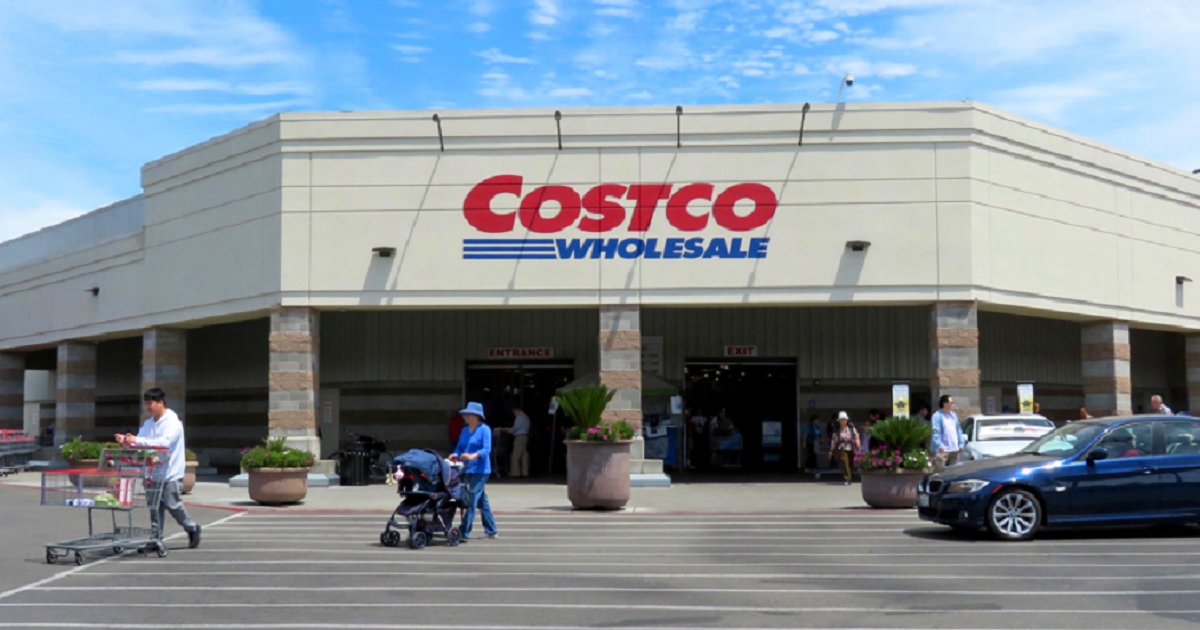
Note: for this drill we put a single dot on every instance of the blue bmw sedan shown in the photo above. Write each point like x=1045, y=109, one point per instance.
x=1107, y=471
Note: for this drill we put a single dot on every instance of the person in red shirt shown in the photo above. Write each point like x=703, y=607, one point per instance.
x=456, y=426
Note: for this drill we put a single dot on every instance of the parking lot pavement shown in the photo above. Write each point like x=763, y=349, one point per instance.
x=584, y=570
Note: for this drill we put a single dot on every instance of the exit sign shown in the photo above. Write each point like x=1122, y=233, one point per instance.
x=741, y=351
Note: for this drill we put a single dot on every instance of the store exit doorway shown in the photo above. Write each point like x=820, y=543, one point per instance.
x=750, y=412
x=530, y=386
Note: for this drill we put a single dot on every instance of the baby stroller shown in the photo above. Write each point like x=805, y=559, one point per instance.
x=432, y=495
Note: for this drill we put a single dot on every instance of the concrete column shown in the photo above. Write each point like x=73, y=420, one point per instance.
x=954, y=355
x=621, y=362
x=164, y=365
x=1106, y=368
x=295, y=345
x=12, y=390
x=1193, y=374
x=75, y=403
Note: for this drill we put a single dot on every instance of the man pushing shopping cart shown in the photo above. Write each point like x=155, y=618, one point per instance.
x=163, y=429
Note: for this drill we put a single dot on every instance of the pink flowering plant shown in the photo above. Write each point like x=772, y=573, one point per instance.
x=899, y=445
x=585, y=406
x=275, y=454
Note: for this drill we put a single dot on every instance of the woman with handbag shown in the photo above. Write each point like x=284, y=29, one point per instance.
x=843, y=445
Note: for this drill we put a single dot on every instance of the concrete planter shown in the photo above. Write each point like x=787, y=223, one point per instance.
x=598, y=474
x=888, y=489
x=277, y=486
x=90, y=480
x=189, y=477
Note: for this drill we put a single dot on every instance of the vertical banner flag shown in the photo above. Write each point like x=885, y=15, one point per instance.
x=1025, y=397
x=900, y=406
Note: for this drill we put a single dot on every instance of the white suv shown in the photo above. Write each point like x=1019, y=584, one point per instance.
x=993, y=436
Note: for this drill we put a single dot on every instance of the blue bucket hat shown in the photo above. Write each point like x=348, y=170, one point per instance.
x=473, y=408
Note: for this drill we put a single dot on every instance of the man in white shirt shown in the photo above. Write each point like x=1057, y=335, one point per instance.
x=164, y=430
x=947, y=440
x=1157, y=405
x=519, y=466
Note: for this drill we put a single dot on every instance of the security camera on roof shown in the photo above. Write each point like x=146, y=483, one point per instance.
x=849, y=79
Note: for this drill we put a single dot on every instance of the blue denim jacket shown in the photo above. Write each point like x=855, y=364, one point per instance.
x=479, y=441
x=935, y=442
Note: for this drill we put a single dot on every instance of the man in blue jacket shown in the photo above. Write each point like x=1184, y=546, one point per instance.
x=947, y=440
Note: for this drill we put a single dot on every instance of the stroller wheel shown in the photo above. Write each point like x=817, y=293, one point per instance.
x=417, y=540
x=390, y=538
x=453, y=537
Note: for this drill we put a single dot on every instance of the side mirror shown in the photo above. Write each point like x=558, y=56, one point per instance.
x=1097, y=455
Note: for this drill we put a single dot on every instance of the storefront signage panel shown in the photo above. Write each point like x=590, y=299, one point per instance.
x=611, y=215
x=520, y=353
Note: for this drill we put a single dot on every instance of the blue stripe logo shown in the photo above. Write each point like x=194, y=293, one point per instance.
x=610, y=248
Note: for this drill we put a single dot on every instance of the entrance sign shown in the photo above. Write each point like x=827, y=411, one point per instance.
x=900, y=404
x=553, y=209
x=520, y=353
x=741, y=351
x=1025, y=397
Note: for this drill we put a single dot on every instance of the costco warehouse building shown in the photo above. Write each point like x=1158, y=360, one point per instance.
x=370, y=271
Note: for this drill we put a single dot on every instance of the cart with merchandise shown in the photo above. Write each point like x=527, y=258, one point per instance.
x=124, y=483
x=16, y=449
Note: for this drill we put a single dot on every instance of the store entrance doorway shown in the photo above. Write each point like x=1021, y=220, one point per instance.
x=749, y=408
x=530, y=386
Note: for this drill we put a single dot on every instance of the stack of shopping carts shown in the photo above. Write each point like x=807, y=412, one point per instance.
x=16, y=449
x=124, y=483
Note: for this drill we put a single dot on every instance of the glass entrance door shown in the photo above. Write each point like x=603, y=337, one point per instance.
x=750, y=411
x=504, y=386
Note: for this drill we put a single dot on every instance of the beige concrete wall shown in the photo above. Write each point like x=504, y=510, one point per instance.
x=959, y=201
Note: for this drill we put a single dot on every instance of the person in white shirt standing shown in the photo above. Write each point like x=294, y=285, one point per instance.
x=947, y=440
x=519, y=467
x=1156, y=403
x=163, y=429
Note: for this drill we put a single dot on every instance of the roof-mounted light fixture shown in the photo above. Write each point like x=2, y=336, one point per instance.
x=1182, y=279
x=94, y=291
x=678, y=126
x=858, y=246
x=384, y=252
x=441, y=143
x=803, y=115
x=558, y=124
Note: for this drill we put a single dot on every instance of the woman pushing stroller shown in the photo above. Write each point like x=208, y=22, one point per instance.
x=475, y=448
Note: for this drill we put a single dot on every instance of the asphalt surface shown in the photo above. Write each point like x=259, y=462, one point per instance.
x=863, y=569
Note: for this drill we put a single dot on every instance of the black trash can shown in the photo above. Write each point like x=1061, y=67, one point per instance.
x=353, y=467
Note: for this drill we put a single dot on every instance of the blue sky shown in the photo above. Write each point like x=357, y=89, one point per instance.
x=89, y=90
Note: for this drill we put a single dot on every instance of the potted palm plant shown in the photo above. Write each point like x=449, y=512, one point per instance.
x=597, y=450
x=278, y=474
x=191, y=463
x=892, y=470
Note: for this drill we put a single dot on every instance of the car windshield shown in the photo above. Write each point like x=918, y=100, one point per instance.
x=1013, y=429
x=1066, y=440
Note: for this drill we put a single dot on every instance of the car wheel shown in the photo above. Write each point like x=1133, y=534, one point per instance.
x=1014, y=515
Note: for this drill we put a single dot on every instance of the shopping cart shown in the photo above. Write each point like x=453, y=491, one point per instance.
x=124, y=482
x=16, y=449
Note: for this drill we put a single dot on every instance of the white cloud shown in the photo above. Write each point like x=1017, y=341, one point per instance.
x=479, y=27
x=482, y=8
x=820, y=37
x=1047, y=102
x=575, y=92
x=409, y=50
x=545, y=12
x=203, y=57
x=862, y=68
x=495, y=56
x=268, y=107
x=779, y=31
x=206, y=85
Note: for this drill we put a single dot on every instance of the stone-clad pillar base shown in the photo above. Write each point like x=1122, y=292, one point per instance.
x=12, y=391
x=295, y=344
x=1107, y=389
x=75, y=404
x=954, y=355
x=164, y=365
x=621, y=370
